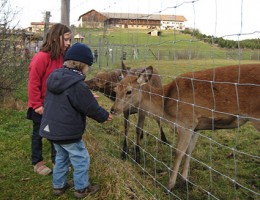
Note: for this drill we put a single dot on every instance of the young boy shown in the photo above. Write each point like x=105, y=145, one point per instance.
x=67, y=103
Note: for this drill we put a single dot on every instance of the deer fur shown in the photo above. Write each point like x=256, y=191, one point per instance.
x=220, y=98
x=105, y=82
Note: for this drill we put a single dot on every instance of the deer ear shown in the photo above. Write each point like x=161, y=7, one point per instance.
x=115, y=89
x=149, y=72
x=124, y=69
x=145, y=75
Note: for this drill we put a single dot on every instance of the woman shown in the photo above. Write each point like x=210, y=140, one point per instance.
x=42, y=65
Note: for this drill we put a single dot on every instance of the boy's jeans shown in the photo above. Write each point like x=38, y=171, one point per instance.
x=77, y=155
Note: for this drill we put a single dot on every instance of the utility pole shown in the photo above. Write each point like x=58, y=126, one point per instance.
x=46, y=24
x=65, y=12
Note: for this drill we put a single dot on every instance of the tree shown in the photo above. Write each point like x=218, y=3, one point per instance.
x=12, y=66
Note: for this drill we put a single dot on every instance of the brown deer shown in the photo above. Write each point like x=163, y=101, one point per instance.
x=220, y=98
x=105, y=82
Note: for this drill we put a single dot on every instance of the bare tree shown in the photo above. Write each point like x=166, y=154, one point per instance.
x=12, y=62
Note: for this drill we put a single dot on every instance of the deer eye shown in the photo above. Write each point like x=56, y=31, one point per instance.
x=128, y=92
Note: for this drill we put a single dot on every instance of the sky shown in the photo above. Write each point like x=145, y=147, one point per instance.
x=231, y=19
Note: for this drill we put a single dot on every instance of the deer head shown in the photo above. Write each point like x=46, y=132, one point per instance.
x=129, y=90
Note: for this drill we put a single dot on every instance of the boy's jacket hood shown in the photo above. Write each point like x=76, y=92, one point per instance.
x=63, y=78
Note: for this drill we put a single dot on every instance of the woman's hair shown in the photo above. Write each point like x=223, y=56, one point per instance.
x=52, y=42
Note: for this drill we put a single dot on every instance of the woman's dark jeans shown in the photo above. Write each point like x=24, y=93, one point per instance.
x=36, y=145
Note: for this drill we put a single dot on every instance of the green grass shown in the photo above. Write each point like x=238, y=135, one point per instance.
x=126, y=179
x=169, y=45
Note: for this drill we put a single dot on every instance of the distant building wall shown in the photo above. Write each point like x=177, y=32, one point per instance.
x=95, y=19
x=38, y=27
x=92, y=19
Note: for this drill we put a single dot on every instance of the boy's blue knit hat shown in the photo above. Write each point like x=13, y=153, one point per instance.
x=79, y=52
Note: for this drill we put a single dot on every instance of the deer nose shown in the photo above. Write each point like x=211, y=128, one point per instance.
x=112, y=111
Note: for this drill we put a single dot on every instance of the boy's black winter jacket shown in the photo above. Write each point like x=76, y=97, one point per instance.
x=68, y=101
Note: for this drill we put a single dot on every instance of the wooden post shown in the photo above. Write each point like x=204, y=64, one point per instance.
x=65, y=12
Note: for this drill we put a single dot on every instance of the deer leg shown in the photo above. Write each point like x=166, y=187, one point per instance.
x=140, y=125
x=126, y=126
x=139, y=134
x=186, y=164
x=184, y=137
x=163, y=137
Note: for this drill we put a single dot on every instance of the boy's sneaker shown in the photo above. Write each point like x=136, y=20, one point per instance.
x=91, y=189
x=41, y=168
x=60, y=191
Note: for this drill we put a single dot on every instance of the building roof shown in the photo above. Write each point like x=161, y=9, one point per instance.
x=140, y=16
x=178, y=18
x=144, y=16
x=42, y=23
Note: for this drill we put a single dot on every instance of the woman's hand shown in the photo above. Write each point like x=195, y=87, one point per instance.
x=39, y=110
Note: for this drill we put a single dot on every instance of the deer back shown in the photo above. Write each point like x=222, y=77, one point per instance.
x=231, y=89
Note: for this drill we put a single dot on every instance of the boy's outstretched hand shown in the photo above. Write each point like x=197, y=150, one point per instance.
x=95, y=95
x=110, y=117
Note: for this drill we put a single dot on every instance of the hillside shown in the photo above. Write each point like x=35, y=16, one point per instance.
x=170, y=45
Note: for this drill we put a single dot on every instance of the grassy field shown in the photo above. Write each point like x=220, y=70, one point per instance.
x=125, y=180
x=169, y=46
